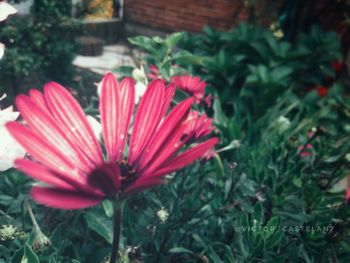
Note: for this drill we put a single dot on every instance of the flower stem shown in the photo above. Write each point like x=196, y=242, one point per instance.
x=31, y=214
x=116, y=232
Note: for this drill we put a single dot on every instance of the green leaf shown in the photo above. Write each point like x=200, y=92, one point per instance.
x=5, y=199
x=271, y=227
x=173, y=39
x=29, y=255
x=214, y=256
x=180, y=250
x=17, y=257
x=219, y=115
x=108, y=207
x=258, y=215
x=100, y=224
x=258, y=245
x=200, y=241
x=144, y=43
x=297, y=182
x=186, y=57
x=281, y=73
x=274, y=239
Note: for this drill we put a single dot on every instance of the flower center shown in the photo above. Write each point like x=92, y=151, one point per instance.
x=128, y=174
x=113, y=178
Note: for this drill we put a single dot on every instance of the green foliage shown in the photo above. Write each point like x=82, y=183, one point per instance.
x=38, y=47
x=271, y=193
x=251, y=62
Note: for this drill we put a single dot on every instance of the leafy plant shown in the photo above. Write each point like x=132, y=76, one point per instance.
x=39, y=46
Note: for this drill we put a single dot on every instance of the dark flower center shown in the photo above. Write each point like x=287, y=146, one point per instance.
x=128, y=174
x=106, y=178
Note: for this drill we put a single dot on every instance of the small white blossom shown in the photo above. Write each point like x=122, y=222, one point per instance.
x=139, y=74
x=162, y=215
x=347, y=157
x=282, y=124
x=236, y=144
x=7, y=232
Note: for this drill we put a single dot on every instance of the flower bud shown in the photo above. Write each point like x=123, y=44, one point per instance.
x=40, y=240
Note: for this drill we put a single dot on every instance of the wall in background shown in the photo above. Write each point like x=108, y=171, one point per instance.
x=190, y=15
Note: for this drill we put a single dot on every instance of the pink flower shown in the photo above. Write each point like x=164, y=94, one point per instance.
x=208, y=100
x=305, y=151
x=154, y=74
x=198, y=126
x=337, y=65
x=192, y=85
x=347, y=195
x=322, y=91
x=67, y=158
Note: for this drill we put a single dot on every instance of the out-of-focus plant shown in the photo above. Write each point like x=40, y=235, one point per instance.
x=5, y=11
x=39, y=46
x=247, y=62
x=251, y=60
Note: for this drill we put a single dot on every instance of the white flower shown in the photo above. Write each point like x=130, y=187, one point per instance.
x=236, y=144
x=282, y=124
x=2, y=50
x=347, y=157
x=10, y=150
x=140, y=89
x=139, y=74
x=6, y=10
x=7, y=232
x=95, y=125
x=162, y=215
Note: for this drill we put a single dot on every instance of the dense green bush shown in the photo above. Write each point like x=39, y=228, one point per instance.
x=39, y=46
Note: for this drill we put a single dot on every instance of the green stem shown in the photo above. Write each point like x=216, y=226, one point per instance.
x=116, y=232
x=31, y=214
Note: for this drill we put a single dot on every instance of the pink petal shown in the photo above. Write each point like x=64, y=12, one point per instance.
x=142, y=185
x=109, y=103
x=41, y=173
x=168, y=97
x=187, y=157
x=43, y=152
x=147, y=118
x=162, y=137
x=46, y=127
x=64, y=199
x=164, y=153
x=38, y=98
x=347, y=195
x=127, y=102
x=72, y=120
